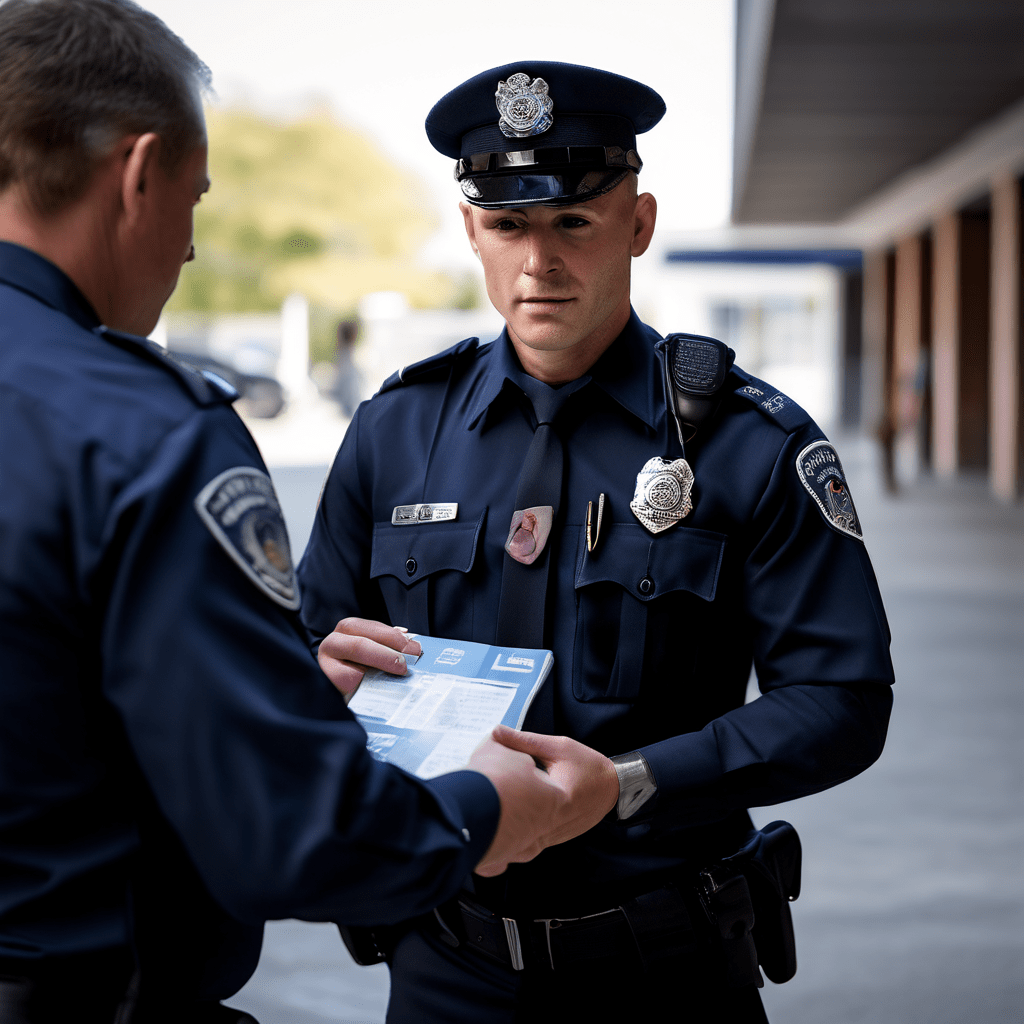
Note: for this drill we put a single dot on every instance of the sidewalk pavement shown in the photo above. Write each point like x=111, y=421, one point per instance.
x=912, y=908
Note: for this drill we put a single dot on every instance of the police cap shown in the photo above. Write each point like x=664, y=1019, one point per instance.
x=542, y=132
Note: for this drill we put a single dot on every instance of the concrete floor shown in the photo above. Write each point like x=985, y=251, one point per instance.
x=913, y=905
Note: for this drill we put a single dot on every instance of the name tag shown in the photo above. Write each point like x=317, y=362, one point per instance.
x=440, y=512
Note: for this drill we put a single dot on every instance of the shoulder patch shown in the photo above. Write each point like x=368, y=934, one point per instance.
x=240, y=508
x=772, y=402
x=822, y=475
x=432, y=364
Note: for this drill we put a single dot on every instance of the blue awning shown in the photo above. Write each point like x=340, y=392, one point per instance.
x=844, y=259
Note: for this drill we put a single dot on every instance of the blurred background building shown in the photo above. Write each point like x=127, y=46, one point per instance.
x=871, y=269
x=898, y=128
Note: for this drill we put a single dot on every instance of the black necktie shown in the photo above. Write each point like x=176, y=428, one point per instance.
x=524, y=587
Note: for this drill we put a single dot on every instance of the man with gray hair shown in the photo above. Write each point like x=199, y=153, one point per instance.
x=174, y=768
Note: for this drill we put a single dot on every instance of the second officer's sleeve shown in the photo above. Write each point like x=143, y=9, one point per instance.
x=250, y=752
x=821, y=651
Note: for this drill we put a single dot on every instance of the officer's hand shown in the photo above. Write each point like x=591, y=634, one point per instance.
x=530, y=804
x=359, y=644
x=586, y=778
x=542, y=808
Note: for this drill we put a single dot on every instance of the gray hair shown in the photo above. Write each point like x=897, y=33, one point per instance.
x=77, y=75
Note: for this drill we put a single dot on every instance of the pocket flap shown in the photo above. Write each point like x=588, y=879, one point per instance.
x=647, y=567
x=411, y=552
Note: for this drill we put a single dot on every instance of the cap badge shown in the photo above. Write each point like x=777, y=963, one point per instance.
x=662, y=495
x=525, y=106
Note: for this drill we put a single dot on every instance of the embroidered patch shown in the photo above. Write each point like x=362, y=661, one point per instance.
x=749, y=389
x=775, y=404
x=241, y=510
x=821, y=473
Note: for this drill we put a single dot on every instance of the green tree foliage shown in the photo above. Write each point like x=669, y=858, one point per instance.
x=307, y=206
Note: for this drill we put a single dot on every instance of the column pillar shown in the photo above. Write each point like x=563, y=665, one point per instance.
x=907, y=332
x=873, y=372
x=1005, y=426
x=945, y=343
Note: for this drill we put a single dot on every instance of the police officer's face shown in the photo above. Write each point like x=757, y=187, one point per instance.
x=178, y=195
x=560, y=275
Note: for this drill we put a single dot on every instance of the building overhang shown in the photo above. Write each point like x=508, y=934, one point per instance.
x=839, y=101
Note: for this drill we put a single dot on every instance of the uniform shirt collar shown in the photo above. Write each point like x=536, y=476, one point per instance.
x=629, y=371
x=36, y=276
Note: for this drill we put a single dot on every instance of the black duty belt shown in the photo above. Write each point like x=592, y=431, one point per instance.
x=654, y=927
x=707, y=922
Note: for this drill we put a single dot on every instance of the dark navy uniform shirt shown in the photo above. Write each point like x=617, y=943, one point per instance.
x=653, y=635
x=142, y=664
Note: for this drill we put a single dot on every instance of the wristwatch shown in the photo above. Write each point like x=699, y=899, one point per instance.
x=636, y=783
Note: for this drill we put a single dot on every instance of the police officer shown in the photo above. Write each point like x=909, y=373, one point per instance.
x=658, y=518
x=174, y=768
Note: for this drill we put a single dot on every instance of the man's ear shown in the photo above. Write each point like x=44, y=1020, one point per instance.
x=138, y=163
x=467, y=219
x=644, y=216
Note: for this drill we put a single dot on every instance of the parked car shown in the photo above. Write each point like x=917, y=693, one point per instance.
x=259, y=395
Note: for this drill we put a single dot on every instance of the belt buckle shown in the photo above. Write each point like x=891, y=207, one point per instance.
x=515, y=948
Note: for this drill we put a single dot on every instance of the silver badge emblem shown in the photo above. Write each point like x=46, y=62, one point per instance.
x=662, y=495
x=525, y=106
x=436, y=512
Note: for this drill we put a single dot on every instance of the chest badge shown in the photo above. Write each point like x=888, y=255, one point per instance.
x=662, y=495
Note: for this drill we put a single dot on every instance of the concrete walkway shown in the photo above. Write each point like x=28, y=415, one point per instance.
x=913, y=902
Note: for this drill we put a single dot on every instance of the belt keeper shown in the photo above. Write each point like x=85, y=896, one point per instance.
x=447, y=936
x=514, y=947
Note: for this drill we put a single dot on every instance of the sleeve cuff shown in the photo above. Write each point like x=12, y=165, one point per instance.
x=472, y=803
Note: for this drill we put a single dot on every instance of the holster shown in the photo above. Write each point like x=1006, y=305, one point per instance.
x=366, y=946
x=770, y=862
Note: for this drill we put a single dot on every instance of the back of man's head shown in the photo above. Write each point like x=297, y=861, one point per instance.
x=78, y=75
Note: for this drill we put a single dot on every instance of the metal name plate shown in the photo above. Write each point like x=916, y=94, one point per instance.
x=438, y=512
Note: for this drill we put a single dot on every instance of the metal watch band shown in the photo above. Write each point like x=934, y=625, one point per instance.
x=636, y=783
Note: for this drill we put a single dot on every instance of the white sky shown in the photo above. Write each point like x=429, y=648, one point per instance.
x=381, y=65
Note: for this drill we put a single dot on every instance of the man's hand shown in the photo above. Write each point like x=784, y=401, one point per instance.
x=541, y=808
x=359, y=644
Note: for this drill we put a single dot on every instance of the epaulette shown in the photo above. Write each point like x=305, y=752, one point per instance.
x=441, y=362
x=205, y=386
x=779, y=408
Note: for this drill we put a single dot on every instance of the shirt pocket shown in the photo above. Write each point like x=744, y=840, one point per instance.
x=636, y=582
x=422, y=573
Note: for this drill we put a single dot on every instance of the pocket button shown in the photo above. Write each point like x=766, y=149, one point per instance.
x=646, y=586
x=410, y=566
